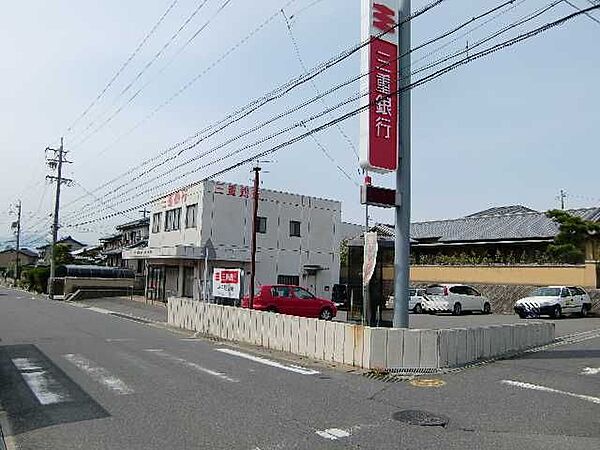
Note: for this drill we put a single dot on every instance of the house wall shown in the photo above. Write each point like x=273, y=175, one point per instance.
x=7, y=259
x=224, y=226
x=580, y=275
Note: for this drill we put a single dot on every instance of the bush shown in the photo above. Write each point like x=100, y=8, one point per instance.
x=36, y=278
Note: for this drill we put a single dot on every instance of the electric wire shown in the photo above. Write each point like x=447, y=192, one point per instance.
x=123, y=66
x=147, y=66
x=276, y=93
x=420, y=82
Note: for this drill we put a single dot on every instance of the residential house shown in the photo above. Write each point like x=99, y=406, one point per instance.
x=45, y=250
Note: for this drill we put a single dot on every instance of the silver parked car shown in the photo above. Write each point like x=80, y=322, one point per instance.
x=455, y=298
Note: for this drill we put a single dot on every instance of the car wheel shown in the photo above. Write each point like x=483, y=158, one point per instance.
x=457, y=310
x=556, y=312
x=326, y=314
x=418, y=309
x=272, y=309
x=522, y=315
x=487, y=308
x=584, y=311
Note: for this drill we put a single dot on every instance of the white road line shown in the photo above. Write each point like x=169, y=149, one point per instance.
x=43, y=386
x=100, y=310
x=590, y=371
x=192, y=365
x=268, y=362
x=99, y=374
x=536, y=387
x=333, y=433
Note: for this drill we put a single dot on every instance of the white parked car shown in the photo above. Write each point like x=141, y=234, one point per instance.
x=415, y=302
x=455, y=298
x=554, y=301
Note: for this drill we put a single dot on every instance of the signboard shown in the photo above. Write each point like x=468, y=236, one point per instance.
x=370, y=256
x=377, y=196
x=234, y=190
x=227, y=283
x=379, y=120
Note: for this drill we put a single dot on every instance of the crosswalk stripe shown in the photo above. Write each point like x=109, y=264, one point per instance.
x=192, y=365
x=43, y=386
x=99, y=374
x=268, y=362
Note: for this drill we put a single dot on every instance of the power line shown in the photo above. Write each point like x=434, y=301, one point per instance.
x=124, y=65
x=419, y=82
x=588, y=15
x=148, y=64
x=312, y=82
x=276, y=93
x=243, y=134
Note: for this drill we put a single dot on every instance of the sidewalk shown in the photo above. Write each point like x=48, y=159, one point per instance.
x=156, y=312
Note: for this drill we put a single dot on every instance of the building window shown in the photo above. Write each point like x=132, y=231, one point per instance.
x=261, y=225
x=156, y=222
x=294, y=228
x=190, y=216
x=172, y=219
x=292, y=280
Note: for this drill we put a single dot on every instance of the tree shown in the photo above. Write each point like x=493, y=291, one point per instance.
x=62, y=254
x=569, y=244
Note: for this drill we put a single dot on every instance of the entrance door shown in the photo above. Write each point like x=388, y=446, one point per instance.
x=171, y=282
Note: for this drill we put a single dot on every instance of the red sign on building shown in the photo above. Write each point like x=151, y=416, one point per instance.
x=379, y=120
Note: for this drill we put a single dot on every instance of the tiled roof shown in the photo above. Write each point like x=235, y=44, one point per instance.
x=495, y=224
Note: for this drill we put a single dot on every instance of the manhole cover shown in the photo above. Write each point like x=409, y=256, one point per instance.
x=421, y=418
x=427, y=382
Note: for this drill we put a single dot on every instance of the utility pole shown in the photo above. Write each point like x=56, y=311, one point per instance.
x=562, y=196
x=402, y=208
x=55, y=162
x=256, y=170
x=144, y=211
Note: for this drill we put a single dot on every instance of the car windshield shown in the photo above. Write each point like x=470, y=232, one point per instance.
x=546, y=292
x=435, y=290
x=301, y=293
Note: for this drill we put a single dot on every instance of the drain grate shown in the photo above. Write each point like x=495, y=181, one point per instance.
x=421, y=418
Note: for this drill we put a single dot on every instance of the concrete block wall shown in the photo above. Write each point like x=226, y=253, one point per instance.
x=356, y=345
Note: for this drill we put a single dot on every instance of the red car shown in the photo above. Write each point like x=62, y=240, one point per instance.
x=291, y=300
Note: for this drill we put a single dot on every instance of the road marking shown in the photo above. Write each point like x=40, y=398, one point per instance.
x=120, y=340
x=192, y=365
x=333, y=433
x=44, y=387
x=268, y=362
x=427, y=382
x=536, y=387
x=590, y=371
x=100, y=310
x=99, y=374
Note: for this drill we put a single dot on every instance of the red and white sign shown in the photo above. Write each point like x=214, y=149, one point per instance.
x=175, y=199
x=227, y=283
x=379, y=122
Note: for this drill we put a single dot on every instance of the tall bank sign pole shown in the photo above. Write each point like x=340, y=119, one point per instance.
x=385, y=126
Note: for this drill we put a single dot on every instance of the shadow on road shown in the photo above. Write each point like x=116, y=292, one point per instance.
x=35, y=393
x=562, y=354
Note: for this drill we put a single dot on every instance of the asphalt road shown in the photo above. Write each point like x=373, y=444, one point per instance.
x=79, y=378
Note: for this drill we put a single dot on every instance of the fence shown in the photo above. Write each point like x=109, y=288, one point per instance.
x=356, y=345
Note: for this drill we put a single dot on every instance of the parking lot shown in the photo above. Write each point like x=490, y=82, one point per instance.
x=564, y=326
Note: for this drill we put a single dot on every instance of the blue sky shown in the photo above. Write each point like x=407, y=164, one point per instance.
x=515, y=127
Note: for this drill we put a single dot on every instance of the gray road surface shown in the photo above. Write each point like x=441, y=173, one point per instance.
x=76, y=378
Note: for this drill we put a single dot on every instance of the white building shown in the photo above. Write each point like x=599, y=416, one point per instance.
x=297, y=241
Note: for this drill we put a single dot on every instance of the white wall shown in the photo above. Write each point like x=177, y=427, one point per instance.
x=225, y=224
